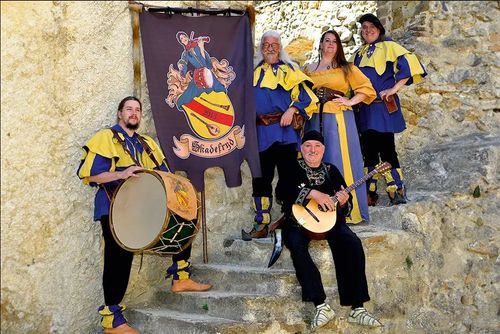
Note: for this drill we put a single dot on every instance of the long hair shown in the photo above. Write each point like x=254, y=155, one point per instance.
x=128, y=98
x=284, y=57
x=122, y=104
x=339, y=57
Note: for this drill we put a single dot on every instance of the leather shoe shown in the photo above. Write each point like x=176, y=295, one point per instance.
x=254, y=234
x=122, y=329
x=186, y=285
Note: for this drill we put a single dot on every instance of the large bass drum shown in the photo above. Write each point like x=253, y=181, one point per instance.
x=156, y=212
x=203, y=78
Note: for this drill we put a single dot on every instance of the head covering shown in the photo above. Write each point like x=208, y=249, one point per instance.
x=373, y=19
x=313, y=135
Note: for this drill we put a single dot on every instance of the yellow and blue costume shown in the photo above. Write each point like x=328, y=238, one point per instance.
x=384, y=62
x=277, y=87
x=342, y=147
x=104, y=153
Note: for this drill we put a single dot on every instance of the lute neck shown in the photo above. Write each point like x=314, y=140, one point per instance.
x=358, y=182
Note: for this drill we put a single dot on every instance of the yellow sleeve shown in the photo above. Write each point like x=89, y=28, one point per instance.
x=361, y=84
x=100, y=144
x=310, y=108
x=86, y=165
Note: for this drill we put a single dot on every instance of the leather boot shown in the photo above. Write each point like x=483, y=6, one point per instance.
x=372, y=198
x=262, y=207
x=397, y=197
x=185, y=285
x=122, y=329
x=255, y=233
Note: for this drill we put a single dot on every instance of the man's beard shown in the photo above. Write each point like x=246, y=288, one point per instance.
x=271, y=57
x=132, y=126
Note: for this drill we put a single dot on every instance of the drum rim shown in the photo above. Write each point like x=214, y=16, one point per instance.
x=145, y=249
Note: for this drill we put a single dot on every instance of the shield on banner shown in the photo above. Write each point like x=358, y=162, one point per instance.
x=211, y=115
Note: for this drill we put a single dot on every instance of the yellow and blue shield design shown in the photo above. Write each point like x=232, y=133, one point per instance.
x=210, y=115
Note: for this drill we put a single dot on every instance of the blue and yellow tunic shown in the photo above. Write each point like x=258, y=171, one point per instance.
x=342, y=147
x=385, y=63
x=104, y=153
x=278, y=87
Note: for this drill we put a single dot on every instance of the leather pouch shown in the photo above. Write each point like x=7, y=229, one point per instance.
x=297, y=121
x=391, y=105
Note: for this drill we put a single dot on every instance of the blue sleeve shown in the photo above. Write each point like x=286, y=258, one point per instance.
x=99, y=165
x=403, y=70
x=184, y=62
x=208, y=61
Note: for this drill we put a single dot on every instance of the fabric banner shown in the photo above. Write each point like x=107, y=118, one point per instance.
x=199, y=73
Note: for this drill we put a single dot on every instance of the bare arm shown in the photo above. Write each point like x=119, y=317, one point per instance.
x=286, y=118
x=326, y=201
x=357, y=98
x=389, y=92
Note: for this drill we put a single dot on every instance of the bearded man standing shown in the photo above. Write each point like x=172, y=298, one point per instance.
x=284, y=98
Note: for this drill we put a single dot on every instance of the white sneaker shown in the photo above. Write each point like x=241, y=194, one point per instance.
x=324, y=314
x=361, y=316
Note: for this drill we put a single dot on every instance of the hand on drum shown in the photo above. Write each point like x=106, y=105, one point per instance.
x=130, y=171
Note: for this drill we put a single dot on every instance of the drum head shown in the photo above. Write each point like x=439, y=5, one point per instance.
x=209, y=80
x=138, y=211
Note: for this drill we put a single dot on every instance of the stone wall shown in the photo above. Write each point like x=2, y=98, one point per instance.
x=451, y=146
x=66, y=65
x=301, y=24
x=458, y=42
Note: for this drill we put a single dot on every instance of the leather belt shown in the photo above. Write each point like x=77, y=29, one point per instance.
x=275, y=117
x=325, y=94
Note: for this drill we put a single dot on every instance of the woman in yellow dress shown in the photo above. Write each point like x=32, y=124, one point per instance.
x=346, y=86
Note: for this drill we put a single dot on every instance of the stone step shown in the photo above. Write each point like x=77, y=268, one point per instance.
x=288, y=319
x=387, y=217
x=239, y=278
x=156, y=320
x=257, y=252
x=248, y=297
x=238, y=306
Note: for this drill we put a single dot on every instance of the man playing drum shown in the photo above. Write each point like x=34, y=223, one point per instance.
x=111, y=156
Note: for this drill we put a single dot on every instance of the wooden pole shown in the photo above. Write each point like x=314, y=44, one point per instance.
x=135, y=9
x=204, y=227
x=204, y=230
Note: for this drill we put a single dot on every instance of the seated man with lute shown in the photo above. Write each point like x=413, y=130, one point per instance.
x=313, y=179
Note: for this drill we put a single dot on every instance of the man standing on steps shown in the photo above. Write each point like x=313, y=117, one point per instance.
x=283, y=95
x=110, y=156
x=310, y=178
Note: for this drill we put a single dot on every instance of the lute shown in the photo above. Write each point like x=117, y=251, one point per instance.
x=317, y=221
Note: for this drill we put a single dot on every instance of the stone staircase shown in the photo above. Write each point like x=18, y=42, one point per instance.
x=247, y=297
